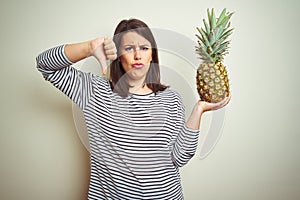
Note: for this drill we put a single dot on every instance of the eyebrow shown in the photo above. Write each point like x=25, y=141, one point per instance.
x=136, y=45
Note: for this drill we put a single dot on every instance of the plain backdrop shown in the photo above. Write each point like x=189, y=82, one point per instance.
x=257, y=156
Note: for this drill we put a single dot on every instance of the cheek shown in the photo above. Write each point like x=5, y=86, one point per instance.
x=125, y=60
x=148, y=57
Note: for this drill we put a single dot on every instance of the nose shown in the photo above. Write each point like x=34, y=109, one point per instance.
x=137, y=54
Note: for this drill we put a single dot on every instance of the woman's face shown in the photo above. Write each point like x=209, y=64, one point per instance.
x=136, y=55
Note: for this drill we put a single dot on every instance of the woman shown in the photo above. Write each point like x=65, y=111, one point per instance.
x=137, y=130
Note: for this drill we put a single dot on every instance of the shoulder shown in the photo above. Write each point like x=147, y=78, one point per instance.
x=171, y=95
x=100, y=83
x=99, y=79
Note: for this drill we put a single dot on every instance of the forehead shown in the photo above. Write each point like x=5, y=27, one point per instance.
x=133, y=38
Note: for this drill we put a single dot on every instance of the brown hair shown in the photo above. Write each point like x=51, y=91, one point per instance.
x=117, y=80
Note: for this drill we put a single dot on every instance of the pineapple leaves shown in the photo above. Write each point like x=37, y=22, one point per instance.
x=221, y=17
x=222, y=47
x=213, y=43
x=200, y=42
x=212, y=20
x=208, y=16
x=203, y=54
x=207, y=29
x=204, y=37
x=225, y=35
x=224, y=21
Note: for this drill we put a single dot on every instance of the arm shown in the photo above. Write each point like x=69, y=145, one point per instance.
x=101, y=48
x=78, y=51
x=186, y=143
x=55, y=63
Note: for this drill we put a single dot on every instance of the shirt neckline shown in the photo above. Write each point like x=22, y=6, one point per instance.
x=141, y=96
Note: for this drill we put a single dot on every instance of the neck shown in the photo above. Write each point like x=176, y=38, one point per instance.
x=139, y=87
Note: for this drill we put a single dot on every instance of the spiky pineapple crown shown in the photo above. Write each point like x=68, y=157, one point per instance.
x=213, y=43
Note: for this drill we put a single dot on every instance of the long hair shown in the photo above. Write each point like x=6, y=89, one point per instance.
x=117, y=73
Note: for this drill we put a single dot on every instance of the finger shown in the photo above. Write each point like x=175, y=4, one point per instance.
x=108, y=41
x=110, y=52
x=103, y=65
x=112, y=57
x=218, y=105
x=109, y=45
x=228, y=99
x=224, y=102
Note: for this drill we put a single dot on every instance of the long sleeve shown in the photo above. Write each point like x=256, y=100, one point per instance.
x=186, y=142
x=56, y=68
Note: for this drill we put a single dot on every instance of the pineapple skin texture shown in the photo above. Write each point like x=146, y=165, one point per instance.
x=212, y=82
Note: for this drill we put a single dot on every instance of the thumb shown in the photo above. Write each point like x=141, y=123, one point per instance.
x=104, y=66
x=99, y=53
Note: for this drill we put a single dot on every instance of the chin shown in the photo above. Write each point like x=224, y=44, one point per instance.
x=136, y=74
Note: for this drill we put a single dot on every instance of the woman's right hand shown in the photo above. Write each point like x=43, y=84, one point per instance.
x=103, y=49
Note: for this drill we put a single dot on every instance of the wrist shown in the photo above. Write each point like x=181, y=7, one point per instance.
x=94, y=44
x=89, y=47
x=200, y=108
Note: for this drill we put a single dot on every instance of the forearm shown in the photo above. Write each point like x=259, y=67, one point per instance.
x=185, y=146
x=78, y=51
x=194, y=120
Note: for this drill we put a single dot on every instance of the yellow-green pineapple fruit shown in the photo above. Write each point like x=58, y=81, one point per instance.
x=212, y=79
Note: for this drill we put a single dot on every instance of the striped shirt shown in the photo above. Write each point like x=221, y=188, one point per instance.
x=137, y=143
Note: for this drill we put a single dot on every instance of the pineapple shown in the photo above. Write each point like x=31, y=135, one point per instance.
x=212, y=79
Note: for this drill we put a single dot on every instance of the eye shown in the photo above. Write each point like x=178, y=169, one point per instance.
x=129, y=48
x=144, y=48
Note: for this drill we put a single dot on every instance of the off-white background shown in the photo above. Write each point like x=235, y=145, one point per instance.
x=257, y=157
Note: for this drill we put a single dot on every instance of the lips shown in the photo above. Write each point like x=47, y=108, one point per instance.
x=138, y=65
